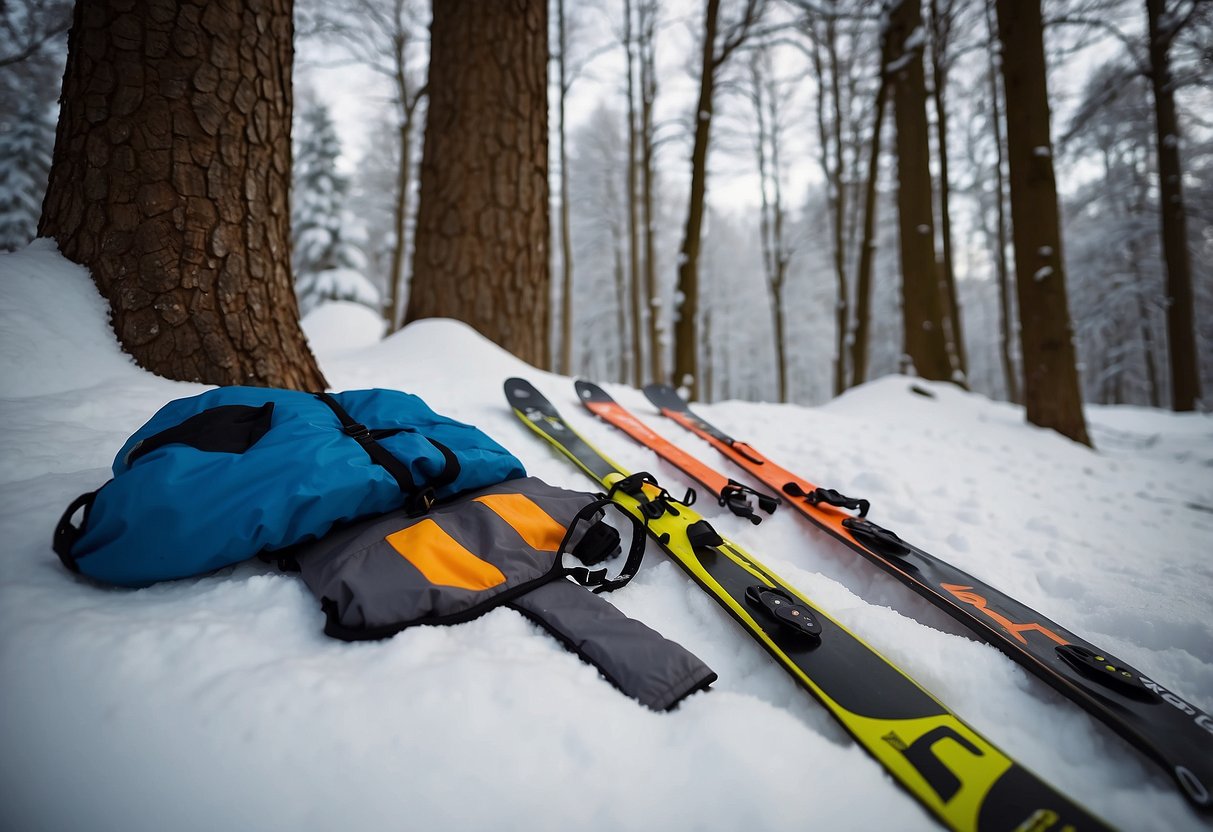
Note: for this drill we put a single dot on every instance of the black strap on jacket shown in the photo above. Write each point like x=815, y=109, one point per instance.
x=66, y=534
x=418, y=499
x=596, y=579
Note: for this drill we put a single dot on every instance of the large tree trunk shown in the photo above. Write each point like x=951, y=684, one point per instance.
x=1051, y=391
x=867, y=253
x=926, y=348
x=483, y=226
x=170, y=182
x=1181, y=329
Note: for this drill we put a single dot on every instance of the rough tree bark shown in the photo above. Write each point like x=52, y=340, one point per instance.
x=170, y=180
x=926, y=348
x=483, y=224
x=1181, y=328
x=1051, y=392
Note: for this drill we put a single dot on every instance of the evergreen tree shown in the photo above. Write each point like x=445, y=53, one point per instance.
x=26, y=139
x=328, y=263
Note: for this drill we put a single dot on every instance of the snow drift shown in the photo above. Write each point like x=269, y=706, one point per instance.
x=218, y=703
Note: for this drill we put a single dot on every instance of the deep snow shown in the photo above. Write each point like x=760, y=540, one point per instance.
x=217, y=703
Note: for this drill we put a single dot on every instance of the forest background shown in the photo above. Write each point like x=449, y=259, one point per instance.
x=801, y=289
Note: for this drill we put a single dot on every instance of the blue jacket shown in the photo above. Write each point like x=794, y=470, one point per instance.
x=217, y=478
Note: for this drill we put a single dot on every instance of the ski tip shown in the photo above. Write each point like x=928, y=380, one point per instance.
x=521, y=394
x=588, y=391
x=664, y=397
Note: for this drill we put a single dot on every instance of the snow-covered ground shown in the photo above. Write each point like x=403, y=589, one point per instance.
x=218, y=703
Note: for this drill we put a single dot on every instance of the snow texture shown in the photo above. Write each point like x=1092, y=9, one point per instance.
x=340, y=326
x=217, y=702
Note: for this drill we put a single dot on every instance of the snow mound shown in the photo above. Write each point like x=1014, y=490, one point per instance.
x=338, y=326
x=54, y=326
x=218, y=703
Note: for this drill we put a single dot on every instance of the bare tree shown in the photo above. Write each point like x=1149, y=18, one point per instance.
x=1002, y=270
x=646, y=44
x=1051, y=392
x=599, y=240
x=926, y=350
x=563, y=82
x=1164, y=23
x=483, y=220
x=1183, y=25
x=944, y=16
x=384, y=36
x=29, y=27
x=169, y=182
x=31, y=75
x=867, y=252
x=766, y=100
x=823, y=54
x=1116, y=274
x=634, y=287
x=716, y=51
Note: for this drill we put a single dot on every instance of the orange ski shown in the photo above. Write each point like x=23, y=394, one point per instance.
x=1174, y=733
x=729, y=493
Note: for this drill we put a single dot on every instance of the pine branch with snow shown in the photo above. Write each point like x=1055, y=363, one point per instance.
x=328, y=261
